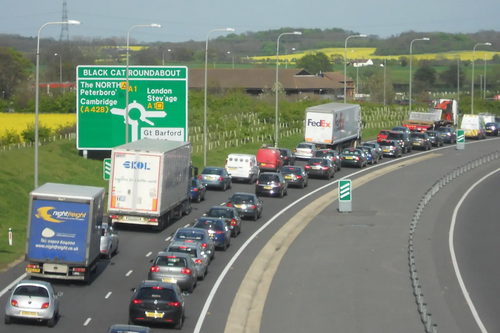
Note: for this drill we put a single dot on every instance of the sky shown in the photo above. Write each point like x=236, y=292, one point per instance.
x=184, y=20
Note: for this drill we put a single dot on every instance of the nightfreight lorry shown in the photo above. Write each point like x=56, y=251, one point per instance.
x=333, y=125
x=64, y=231
x=150, y=182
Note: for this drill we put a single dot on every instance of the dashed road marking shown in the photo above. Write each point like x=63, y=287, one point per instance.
x=168, y=238
x=87, y=321
x=187, y=225
x=128, y=273
x=149, y=253
x=108, y=294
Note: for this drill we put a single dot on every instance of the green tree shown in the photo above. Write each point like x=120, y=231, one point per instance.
x=495, y=59
x=315, y=63
x=375, y=85
x=425, y=74
x=14, y=69
x=449, y=76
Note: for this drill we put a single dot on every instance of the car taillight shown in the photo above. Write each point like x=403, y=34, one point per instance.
x=257, y=182
x=279, y=184
x=325, y=168
x=204, y=245
x=186, y=271
x=253, y=206
x=286, y=157
x=229, y=204
x=298, y=177
x=157, y=288
x=200, y=177
x=137, y=301
x=226, y=162
x=333, y=158
x=424, y=140
x=307, y=167
x=13, y=302
x=45, y=305
x=32, y=265
x=393, y=148
x=173, y=304
x=312, y=151
x=221, y=179
x=233, y=221
x=356, y=158
x=197, y=261
x=155, y=269
x=195, y=189
x=295, y=150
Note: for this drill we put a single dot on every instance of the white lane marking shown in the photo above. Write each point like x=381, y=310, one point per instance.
x=129, y=272
x=108, y=294
x=149, y=253
x=453, y=255
x=87, y=321
x=6, y=289
x=168, y=238
x=187, y=225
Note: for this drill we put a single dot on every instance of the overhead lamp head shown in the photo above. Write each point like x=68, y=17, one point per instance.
x=73, y=22
x=229, y=29
x=425, y=38
x=489, y=44
x=297, y=33
x=361, y=35
x=154, y=25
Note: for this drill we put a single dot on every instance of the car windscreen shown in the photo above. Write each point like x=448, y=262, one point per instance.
x=212, y=172
x=209, y=225
x=194, y=183
x=242, y=198
x=317, y=161
x=215, y=212
x=293, y=170
x=304, y=145
x=156, y=293
x=429, y=133
x=32, y=291
x=183, y=249
x=268, y=178
x=369, y=145
x=189, y=235
x=170, y=261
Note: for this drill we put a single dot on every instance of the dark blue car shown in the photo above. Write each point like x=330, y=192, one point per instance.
x=198, y=190
x=219, y=232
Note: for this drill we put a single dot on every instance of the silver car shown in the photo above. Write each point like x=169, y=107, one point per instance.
x=305, y=150
x=376, y=146
x=198, y=255
x=33, y=300
x=214, y=177
x=109, y=241
x=174, y=267
x=196, y=235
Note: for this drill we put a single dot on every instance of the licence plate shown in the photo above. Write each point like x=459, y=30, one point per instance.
x=209, y=177
x=154, y=314
x=26, y=313
x=288, y=177
x=386, y=150
x=416, y=143
x=172, y=280
x=348, y=157
x=489, y=131
x=443, y=135
x=232, y=168
x=33, y=270
x=263, y=164
x=237, y=206
x=267, y=187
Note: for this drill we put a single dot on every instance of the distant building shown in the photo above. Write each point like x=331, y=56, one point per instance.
x=361, y=62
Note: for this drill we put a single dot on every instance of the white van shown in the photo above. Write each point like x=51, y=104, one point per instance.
x=242, y=167
x=473, y=127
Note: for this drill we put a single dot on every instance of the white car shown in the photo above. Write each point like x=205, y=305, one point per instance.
x=305, y=150
x=109, y=241
x=242, y=167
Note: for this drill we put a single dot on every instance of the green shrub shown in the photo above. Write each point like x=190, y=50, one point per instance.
x=29, y=133
x=9, y=137
x=65, y=129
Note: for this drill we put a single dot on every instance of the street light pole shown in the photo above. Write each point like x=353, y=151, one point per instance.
x=152, y=25
x=229, y=52
x=205, y=97
x=37, y=92
x=484, y=77
x=472, y=86
x=345, y=64
x=276, y=119
x=411, y=45
x=385, y=65
x=60, y=67
x=458, y=78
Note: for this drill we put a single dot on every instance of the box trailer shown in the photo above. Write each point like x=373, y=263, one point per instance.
x=150, y=182
x=64, y=231
x=333, y=125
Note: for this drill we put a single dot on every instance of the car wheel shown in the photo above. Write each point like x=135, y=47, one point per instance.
x=224, y=187
x=198, y=199
x=202, y=277
x=303, y=185
x=256, y=216
x=131, y=322
x=109, y=254
x=239, y=230
x=230, y=184
x=52, y=321
x=281, y=194
x=7, y=320
x=179, y=325
x=116, y=250
x=191, y=289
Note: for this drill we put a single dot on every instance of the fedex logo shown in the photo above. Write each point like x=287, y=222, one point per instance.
x=321, y=123
x=136, y=165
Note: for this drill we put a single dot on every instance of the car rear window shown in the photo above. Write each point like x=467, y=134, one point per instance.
x=269, y=178
x=183, y=249
x=170, y=261
x=209, y=225
x=321, y=153
x=384, y=132
x=242, y=198
x=387, y=143
x=444, y=129
x=32, y=291
x=190, y=235
x=351, y=152
x=212, y=172
x=156, y=293
x=220, y=213
x=397, y=136
x=317, y=161
x=304, y=145
x=417, y=135
x=293, y=170
x=194, y=183
x=284, y=152
x=429, y=133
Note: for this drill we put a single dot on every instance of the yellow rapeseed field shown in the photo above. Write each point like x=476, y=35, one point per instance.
x=19, y=121
x=367, y=53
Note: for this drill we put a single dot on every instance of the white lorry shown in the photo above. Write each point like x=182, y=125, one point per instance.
x=333, y=125
x=150, y=182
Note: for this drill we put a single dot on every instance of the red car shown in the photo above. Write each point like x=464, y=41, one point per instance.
x=382, y=135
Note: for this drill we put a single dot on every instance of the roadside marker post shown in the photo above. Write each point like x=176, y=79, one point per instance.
x=345, y=196
x=460, y=139
x=106, y=169
x=10, y=236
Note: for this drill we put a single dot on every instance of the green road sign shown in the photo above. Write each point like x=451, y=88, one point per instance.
x=460, y=136
x=106, y=168
x=158, y=105
x=345, y=190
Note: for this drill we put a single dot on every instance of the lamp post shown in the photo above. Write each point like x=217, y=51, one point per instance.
x=37, y=88
x=411, y=47
x=345, y=64
x=229, y=52
x=205, y=97
x=484, y=76
x=385, y=81
x=458, y=77
x=472, y=86
x=163, y=57
x=60, y=66
x=152, y=25
x=276, y=120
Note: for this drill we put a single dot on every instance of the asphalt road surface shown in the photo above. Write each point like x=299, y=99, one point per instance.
x=95, y=307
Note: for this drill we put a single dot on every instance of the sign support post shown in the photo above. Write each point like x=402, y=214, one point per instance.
x=460, y=139
x=345, y=196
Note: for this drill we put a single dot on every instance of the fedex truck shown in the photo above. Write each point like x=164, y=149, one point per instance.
x=64, y=231
x=150, y=182
x=333, y=125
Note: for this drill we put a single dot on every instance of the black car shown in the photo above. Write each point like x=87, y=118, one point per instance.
x=420, y=141
x=198, y=190
x=403, y=138
x=295, y=176
x=332, y=155
x=377, y=147
x=449, y=134
x=271, y=183
x=217, y=229
x=372, y=155
x=492, y=129
x=391, y=148
x=321, y=167
x=129, y=329
x=247, y=204
x=436, y=138
x=157, y=302
x=287, y=156
x=353, y=156
x=230, y=215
